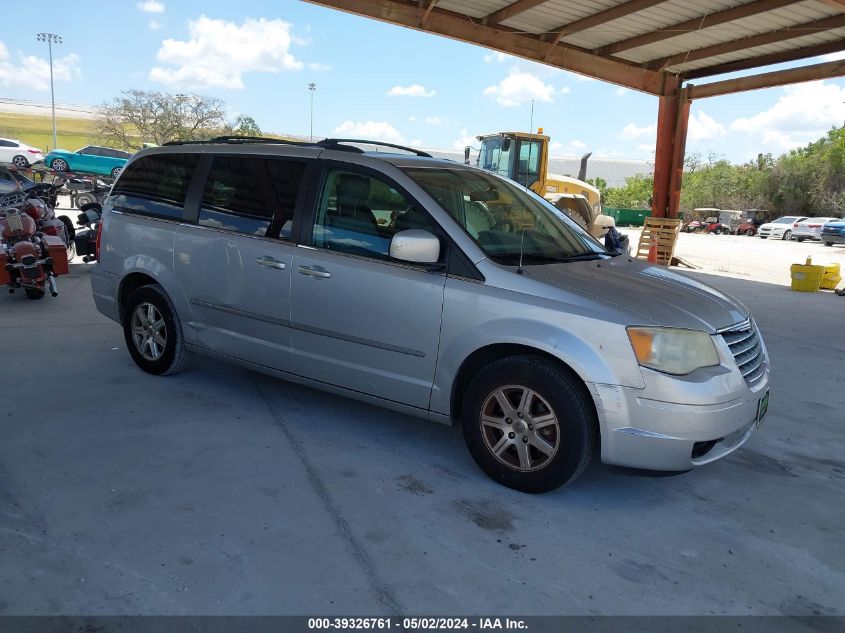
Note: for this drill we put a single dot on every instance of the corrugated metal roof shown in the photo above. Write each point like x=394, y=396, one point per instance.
x=548, y=16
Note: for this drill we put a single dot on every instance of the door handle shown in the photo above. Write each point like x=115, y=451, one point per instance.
x=315, y=271
x=271, y=262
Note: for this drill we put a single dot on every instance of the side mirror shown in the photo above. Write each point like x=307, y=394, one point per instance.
x=466, y=155
x=415, y=245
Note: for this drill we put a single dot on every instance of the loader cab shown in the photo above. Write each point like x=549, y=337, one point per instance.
x=519, y=156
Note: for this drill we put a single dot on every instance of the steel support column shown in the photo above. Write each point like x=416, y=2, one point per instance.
x=672, y=121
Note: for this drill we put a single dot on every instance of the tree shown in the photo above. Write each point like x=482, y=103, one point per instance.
x=243, y=126
x=139, y=116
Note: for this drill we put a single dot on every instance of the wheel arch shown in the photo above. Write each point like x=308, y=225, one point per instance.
x=129, y=284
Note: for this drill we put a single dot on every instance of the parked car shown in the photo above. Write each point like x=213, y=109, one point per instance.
x=833, y=233
x=810, y=229
x=91, y=159
x=781, y=228
x=749, y=227
x=531, y=335
x=18, y=153
x=694, y=226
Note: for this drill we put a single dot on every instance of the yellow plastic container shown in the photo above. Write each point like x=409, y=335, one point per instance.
x=831, y=277
x=806, y=277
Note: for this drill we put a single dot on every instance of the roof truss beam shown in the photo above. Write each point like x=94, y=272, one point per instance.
x=613, y=13
x=462, y=28
x=766, y=60
x=696, y=24
x=779, y=35
x=505, y=13
x=769, y=80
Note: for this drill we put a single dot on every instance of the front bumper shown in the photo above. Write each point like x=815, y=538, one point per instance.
x=775, y=233
x=678, y=422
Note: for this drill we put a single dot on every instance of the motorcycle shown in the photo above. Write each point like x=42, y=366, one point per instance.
x=87, y=240
x=46, y=222
x=29, y=259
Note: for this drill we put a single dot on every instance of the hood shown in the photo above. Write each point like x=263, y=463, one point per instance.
x=772, y=225
x=652, y=294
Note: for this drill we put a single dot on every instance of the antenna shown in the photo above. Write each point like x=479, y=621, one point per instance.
x=528, y=166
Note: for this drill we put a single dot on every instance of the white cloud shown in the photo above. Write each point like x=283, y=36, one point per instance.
x=464, y=139
x=498, y=57
x=414, y=90
x=375, y=130
x=220, y=52
x=318, y=67
x=703, y=127
x=34, y=72
x=632, y=130
x=621, y=91
x=415, y=143
x=154, y=25
x=573, y=147
x=803, y=113
x=151, y=6
x=412, y=118
x=520, y=87
x=565, y=90
x=646, y=147
x=436, y=120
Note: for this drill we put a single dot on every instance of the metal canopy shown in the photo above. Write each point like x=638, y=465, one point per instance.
x=639, y=44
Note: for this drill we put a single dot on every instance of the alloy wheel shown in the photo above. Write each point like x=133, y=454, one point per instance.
x=20, y=162
x=519, y=428
x=148, y=331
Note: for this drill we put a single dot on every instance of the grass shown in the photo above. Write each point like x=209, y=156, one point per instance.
x=37, y=130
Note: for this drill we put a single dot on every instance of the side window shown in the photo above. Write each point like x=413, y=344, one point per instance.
x=528, y=168
x=155, y=185
x=90, y=150
x=247, y=194
x=4, y=143
x=359, y=214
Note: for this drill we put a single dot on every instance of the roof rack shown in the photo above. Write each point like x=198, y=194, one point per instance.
x=340, y=144
x=334, y=143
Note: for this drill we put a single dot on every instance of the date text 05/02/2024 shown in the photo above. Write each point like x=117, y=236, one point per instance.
x=417, y=623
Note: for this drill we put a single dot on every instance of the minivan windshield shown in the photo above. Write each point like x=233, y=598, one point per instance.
x=505, y=219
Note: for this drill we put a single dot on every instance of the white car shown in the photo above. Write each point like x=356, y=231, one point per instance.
x=18, y=153
x=781, y=228
x=810, y=229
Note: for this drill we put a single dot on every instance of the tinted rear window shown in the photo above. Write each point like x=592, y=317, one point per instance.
x=155, y=185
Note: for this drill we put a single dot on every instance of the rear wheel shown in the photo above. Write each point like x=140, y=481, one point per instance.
x=20, y=162
x=116, y=172
x=528, y=423
x=800, y=239
x=828, y=243
x=34, y=293
x=59, y=164
x=787, y=235
x=726, y=231
x=153, y=332
x=750, y=232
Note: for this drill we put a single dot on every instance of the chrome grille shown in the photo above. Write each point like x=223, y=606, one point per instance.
x=747, y=349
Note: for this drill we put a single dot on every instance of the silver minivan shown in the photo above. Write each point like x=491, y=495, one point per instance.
x=431, y=288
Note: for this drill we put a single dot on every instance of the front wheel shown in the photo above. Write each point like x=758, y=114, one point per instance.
x=750, y=232
x=787, y=235
x=528, y=423
x=800, y=239
x=116, y=172
x=828, y=243
x=153, y=332
x=726, y=231
x=59, y=164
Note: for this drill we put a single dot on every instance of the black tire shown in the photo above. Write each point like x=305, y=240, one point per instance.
x=558, y=392
x=59, y=164
x=116, y=172
x=800, y=239
x=34, y=293
x=84, y=198
x=175, y=356
x=750, y=232
x=787, y=235
x=762, y=237
x=20, y=161
x=726, y=231
x=828, y=243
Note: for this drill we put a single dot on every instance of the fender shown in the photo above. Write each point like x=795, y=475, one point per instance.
x=592, y=363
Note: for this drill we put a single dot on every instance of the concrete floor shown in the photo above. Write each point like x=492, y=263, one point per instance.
x=219, y=491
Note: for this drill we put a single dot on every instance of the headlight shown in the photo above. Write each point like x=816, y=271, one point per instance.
x=673, y=350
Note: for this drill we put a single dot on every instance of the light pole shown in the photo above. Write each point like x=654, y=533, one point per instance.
x=313, y=88
x=51, y=38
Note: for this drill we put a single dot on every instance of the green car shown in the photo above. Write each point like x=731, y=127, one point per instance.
x=91, y=159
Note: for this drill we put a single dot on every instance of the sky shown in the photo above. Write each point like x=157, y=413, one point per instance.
x=375, y=80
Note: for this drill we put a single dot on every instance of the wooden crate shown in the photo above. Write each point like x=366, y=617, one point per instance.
x=661, y=233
